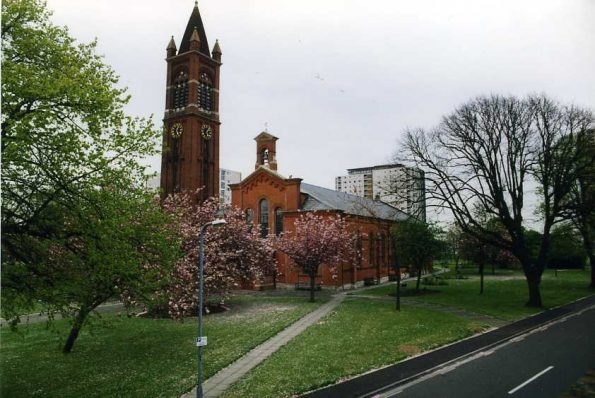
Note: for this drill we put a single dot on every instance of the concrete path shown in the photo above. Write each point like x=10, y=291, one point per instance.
x=41, y=317
x=221, y=381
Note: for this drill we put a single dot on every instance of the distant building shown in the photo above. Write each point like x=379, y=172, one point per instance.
x=154, y=182
x=227, y=177
x=396, y=184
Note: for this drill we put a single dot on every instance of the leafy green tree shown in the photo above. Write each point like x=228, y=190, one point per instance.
x=77, y=228
x=415, y=245
x=566, y=248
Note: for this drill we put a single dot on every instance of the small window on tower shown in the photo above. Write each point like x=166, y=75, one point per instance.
x=180, y=94
x=205, y=93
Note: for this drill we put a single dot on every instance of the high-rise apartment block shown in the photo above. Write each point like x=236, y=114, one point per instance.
x=227, y=177
x=395, y=184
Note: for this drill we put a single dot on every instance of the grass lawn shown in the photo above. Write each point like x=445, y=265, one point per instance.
x=504, y=299
x=134, y=357
x=358, y=336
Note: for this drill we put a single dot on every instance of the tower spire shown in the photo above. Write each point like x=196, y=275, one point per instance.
x=217, y=51
x=194, y=40
x=171, y=48
x=195, y=21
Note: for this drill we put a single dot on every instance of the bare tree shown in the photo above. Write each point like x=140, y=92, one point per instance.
x=487, y=153
x=581, y=203
x=454, y=241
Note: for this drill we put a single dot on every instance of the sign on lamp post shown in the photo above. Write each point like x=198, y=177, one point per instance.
x=201, y=340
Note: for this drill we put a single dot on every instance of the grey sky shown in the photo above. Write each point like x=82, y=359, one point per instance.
x=339, y=80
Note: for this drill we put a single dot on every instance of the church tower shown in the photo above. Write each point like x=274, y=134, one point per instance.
x=190, y=157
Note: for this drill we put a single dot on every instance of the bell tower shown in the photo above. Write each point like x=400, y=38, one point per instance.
x=266, y=151
x=190, y=156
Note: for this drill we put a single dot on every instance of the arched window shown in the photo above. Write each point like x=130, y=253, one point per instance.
x=265, y=156
x=180, y=94
x=249, y=216
x=278, y=221
x=382, y=249
x=264, y=218
x=371, y=249
x=358, y=249
x=205, y=92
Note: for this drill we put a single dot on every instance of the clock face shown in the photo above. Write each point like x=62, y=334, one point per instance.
x=176, y=130
x=206, y=131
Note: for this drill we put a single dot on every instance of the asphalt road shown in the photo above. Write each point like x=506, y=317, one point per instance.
x=542, y=363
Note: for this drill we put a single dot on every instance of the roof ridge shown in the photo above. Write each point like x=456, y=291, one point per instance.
x=315, y=197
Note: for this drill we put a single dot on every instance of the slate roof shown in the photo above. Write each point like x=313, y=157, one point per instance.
x=195, y=20
x=319, y=198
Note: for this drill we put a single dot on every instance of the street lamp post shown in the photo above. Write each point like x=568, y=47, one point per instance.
x=201, y=341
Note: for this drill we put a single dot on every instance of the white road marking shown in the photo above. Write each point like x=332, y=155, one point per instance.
x=530, y=380
x=400, y=386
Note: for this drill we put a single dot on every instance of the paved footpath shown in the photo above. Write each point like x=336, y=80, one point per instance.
x=221, y=381
x=41, y=317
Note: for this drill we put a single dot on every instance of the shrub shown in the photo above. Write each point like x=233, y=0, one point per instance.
x=568, y=261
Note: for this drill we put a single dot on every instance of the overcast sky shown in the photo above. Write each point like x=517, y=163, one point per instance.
x=339, y=80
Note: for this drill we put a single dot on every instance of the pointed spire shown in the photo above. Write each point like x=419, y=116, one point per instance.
x=194, y=40
x=171, y=48
x=217, y=51
x=195, y=23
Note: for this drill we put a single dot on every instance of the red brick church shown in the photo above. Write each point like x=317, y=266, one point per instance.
x=270, y=201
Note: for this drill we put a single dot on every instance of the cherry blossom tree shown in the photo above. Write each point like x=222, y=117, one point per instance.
x=234, y=254
x=318, y=239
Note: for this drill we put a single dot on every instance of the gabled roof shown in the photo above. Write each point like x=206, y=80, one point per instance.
x=264, y=136
x=319, y=198
x=266, y=170
x=195, y=21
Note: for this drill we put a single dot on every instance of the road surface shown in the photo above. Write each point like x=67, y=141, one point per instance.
x=542, y=363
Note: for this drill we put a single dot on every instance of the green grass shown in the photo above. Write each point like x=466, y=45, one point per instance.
x=504, y=299
x=134, y=357
x=358, y=336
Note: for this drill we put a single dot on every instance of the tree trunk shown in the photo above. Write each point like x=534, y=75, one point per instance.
x=79, y=320
x=493, y=269
x=534, y=293
x=399, y=290
x=312, y=285
x=418, y=279
x=588, y=245
x=481, y=273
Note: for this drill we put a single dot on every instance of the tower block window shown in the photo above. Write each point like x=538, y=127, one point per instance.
x=205, y=93
x=264, y=218
x=180, y=97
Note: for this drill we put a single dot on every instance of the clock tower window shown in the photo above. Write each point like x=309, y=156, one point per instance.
x=205, y=93
x=180, y=97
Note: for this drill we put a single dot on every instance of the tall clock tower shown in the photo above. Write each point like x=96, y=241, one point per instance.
x=190, y=157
